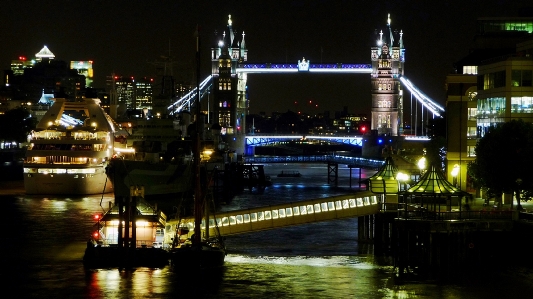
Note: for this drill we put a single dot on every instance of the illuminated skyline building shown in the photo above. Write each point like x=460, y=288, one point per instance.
x=143, y=93
x=19, y=65
x=122, y=95
x=84, y=68
x=491, y=85
x=388, y=57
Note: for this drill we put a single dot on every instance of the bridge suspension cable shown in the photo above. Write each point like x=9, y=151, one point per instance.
x=435, y=108
x=186, y=101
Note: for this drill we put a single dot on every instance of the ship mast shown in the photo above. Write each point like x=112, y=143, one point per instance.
x=197, y=188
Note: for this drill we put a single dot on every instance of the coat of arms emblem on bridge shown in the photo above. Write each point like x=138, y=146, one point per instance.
x=303, y=66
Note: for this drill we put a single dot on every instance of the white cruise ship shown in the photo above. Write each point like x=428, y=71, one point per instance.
x=70, y=149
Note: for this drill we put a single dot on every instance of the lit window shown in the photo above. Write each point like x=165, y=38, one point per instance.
x=471, y=151
x=470, y=70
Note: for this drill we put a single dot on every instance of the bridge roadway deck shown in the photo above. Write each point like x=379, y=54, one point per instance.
x=293, y=213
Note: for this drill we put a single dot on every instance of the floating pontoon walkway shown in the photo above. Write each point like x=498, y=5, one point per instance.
x=282, y=215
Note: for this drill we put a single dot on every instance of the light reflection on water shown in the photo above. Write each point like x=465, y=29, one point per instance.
x=45, y=237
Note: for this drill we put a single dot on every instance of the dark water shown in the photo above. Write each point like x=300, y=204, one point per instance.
x=44, y=239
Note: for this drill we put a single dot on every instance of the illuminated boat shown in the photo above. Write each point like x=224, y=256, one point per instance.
x=129, y=234
x=69, y=150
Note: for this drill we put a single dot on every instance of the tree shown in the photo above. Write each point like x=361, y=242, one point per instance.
x=504, y=163
x=16, y=124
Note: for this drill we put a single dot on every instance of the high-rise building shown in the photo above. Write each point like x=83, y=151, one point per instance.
x=84, y=68
x=122, y=94
x=19, y=65
x=492, y=84
x=44, y=54
x=143, y=93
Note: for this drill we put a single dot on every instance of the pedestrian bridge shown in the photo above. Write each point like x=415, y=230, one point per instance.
x=282, y=215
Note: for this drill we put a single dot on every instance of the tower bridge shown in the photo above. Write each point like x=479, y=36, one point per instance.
x=265, y=139
x=230, y=68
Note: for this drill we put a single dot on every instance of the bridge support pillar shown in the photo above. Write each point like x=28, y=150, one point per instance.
x=365, y=226
x=333, y=173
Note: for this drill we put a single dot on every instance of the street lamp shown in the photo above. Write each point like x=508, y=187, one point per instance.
x=422, y=165
x=455, y=172
x=402, y=178
x=518, y=205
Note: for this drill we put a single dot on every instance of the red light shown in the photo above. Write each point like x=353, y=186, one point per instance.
x=96, y=235
x=363, y=129
x=22, y=58
x=97, y=217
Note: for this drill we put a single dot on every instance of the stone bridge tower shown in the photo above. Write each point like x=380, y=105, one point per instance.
x=388, y=57
x=230, y=103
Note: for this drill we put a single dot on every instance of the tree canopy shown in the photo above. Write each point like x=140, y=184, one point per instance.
x=504, y=160
x=16, y=124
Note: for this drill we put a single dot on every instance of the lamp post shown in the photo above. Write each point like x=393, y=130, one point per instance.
x=518, y=205
x=422, y=165
x=455, y=172
x=402, y=178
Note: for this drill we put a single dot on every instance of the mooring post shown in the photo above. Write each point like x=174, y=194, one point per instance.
x=333, y=168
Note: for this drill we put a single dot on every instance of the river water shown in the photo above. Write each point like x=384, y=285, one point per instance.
x=44, y=239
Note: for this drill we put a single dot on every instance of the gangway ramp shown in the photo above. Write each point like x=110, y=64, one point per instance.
x=289, y=214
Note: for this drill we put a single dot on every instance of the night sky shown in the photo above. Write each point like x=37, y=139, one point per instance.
x=126, y=37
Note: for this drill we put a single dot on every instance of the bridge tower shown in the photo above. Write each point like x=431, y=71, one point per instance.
x=388, y=57
x=230, y=103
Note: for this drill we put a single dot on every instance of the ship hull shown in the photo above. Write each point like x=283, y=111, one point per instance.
x=157, y=179
x=201, y=257
x=67, y=184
